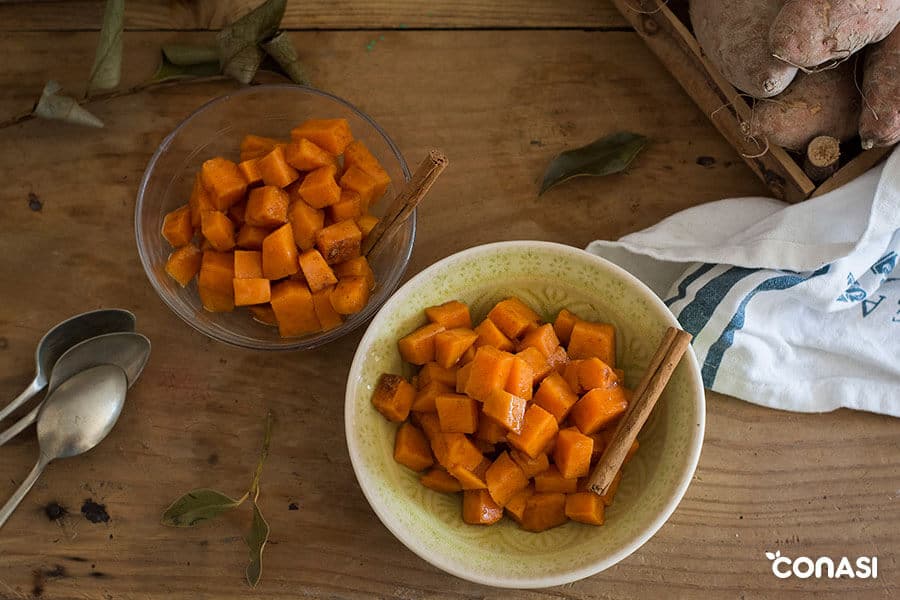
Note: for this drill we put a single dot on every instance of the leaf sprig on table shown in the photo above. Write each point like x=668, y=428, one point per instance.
x=604, y=156
x=205, y=504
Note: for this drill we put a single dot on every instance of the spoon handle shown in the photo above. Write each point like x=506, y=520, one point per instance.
x=30, y=392
x=17, y=427
x=20, y=493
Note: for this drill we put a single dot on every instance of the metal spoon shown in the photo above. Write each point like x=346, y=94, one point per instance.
x=129, y=351
x=75, y=418
x=62, y=337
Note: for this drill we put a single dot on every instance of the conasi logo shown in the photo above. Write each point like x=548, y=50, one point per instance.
x=804, y=567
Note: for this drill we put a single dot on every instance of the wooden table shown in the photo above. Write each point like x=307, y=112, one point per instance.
x=501, y=87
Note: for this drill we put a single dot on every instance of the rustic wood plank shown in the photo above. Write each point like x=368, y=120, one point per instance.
x=57, y=15
x=500, y=104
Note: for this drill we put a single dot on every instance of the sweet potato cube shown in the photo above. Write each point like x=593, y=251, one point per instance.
x=563, y=325
x=612, y=489
x=237, y=212
x=224, y=182
x=530, y=466
x=585, y=507
x=267, y=206
x=357, y=154
x=552, y=480
x=506, y=409
x=440, y=481
x=479, y=508
x=316, y=271
x=451, y=315
x=275, y=170
x=218, y=230
x=200, y=201
x=598, y=408
x=558, y=360
x=357, y=180
x=572, y=455
x=393, y=397
x=462, y=377
x=339, y=242
x=333, y=135
x=411, y=448
x=328, y=317
x=544, y=511
x=540, y=367
x=457, y=413
x=521, y=379
x=254, y=146
x=513, y=317
x=426, y=395
x=251, y=237
x=177, y=228
x=593, y=340
x=279, y=254
x=418, y=347
x=556, y=396
x=590, y=373
x=467, y=356
x=350, y=206
x=319, y=189
x=356, y=267
x=350, y=295
x=215, y=281
x=460, y=451
x=250, y=171
x=490, y=335
x=434, y=372
x=294, y=308
x=305, y=222
x=490, y=431
x=251, y=291
x=542, y=338
x=304, y=155
x=264, y=314
x=489, y=372
x=450, y=345
x=515, y=507
x=504, y=479
x=471, y=479
x=538, y=430
x=247, y=264
x=366, y=224
x=184, y=264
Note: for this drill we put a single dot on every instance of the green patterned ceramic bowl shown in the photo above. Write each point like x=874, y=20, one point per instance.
x=548, y=277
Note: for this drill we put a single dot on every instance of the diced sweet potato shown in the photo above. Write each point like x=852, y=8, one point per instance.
x=434, y=372
x=328, y=317
x=538, y=430
x=305, y=222
x=251, y=237
x=588, y=374
x=556, y=396
x=440, y=481
x=350, y=295
x=504, y=479
x=333, y=135
x=357, y=180
x=460, y=451
x=516, y=505
x=552, y=480
x=254, y=146
x=542, y=338
x=598, y=408
x=462, y=377
x=357, y=154
x=250, y=171
x=316, y=271
x=393, y=397
x=356, y=267
x=563, y=325
x=224, y=182
x=237, y=212
x=451, y=315
x=506, y=409
x=490, y=431
x=215, y=281
x=275, y=170
x=366, y=224
x=572, y=455
x=294, y=308
x=279, y=254
x=490, y=335
x=200, y=201
x=544, y=511
x=521, y=379
x=530, y=466
x=418, y=347
x=319, y=189
x=177, y=228
x=350, y=206
x=593, y=340
x=267, y=206
x=451, y=344
x=339, y=242
x=479, y=508
x=585, y=507
x=558, y=360
x=513, y=317
x=489, y=372
x=251, y=291
x=540, y=367
x=304, y=155
x=411, y=448
x=247, y=264
x=184, y=264
x=218, y=230
x=457, y=413
x=426, y=395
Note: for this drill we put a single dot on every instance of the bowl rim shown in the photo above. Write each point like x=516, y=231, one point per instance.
x=538, y=581
x=302, y=343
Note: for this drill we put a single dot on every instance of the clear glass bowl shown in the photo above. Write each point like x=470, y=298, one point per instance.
x=216, y=129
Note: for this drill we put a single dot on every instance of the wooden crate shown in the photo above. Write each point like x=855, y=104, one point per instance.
x=664, y=28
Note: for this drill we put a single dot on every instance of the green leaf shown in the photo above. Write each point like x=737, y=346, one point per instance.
x=56, y=106
x=238, y=43
x=281, y=48
x=107, y=69
x=256, y=542
x=263, y=455
x=185, y=55
x=169, y=71
x=605, y=156
x=197, y=506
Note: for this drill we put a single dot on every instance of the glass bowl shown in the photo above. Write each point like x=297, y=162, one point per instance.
x=216, y=129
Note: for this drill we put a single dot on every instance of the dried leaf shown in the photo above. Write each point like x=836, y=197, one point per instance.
x=605, y=156
x=107, y=69
x=256, y=542
x=197, y=506
x=281, y=48
x=263, y=455
x=238, y=43
x=169, y=71
x=185, y=56
x=53, y=105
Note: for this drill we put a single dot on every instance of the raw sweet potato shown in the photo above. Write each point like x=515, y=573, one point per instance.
x=184, y=263
x=734, y=35
x=879, y=122
x=811, y=33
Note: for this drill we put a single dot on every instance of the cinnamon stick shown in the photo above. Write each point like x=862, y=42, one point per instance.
x=406, y=200
x=673, y=346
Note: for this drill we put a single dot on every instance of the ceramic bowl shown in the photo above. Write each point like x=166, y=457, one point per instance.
x=548, y=277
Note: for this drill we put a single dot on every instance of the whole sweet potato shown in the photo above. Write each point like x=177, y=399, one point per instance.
x=734, y=35
x=879, y=123
x=823, y=103
x=809, y=33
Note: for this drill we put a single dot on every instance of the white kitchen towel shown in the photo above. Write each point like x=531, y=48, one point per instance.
x=794, y=307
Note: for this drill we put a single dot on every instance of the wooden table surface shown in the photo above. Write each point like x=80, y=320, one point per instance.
x=501, y=87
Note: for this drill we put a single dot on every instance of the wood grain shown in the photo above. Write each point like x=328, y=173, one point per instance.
x=501, y=104
x=61, y=15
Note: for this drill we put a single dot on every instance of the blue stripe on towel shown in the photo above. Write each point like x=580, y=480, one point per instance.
x=699, y=311
x=688, y=280
x=717, y=350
